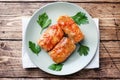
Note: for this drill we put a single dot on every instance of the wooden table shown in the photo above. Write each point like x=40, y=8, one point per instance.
x=11, y=11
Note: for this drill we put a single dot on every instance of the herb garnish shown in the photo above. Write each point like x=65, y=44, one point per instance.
x=34, y=48
x=43, y=21
x=83, y=50
x=56, y=67
x=80, y=18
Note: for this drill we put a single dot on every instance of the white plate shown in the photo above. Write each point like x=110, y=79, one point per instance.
x=75, y=62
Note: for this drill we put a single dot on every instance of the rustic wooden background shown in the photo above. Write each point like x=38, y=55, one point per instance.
x=11, y=11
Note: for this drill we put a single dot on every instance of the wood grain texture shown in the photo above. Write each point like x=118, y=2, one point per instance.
x=60, y=0
x=11, y=14
x=51, y=79
x=11, y=63
x=46, y=79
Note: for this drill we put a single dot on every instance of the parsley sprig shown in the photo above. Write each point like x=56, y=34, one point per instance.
x=83, y=50
x=56, y=67
x=43, y=21
x=34, y=48
x=80, y=18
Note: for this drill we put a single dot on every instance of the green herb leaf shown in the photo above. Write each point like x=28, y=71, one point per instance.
x=83, y=50
x=80, y=18
x=34, y=48
x=43, y=21
x=56, y=67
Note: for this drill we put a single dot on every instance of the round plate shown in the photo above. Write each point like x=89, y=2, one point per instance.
x=75, y=62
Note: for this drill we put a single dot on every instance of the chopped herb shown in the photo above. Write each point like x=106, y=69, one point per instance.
x=83, y=50
x=80, y=18
x=56, y=67
x=43, y=21
x=34, y=48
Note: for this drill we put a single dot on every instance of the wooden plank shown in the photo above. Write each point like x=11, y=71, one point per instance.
x=111, y=10
x=43, y=79
x=62, y=0
x=105, y=35
x=53, y=79
x=11, y=29
x=11, y=64
x=10, y=18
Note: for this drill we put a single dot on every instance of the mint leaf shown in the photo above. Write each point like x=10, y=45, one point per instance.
x=34, y=48
x=80, y=18
x=83, y=50
x=43, y=21
x=56, y=67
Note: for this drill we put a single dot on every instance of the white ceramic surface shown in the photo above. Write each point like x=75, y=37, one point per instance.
x=75, y=62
